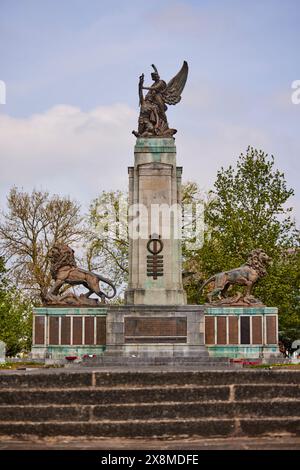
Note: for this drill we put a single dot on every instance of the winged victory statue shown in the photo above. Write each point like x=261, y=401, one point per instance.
x=153, y=106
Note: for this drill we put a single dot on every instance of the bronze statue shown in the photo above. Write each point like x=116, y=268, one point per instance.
x=65, y=271
x=153, y=120
x=246, y=275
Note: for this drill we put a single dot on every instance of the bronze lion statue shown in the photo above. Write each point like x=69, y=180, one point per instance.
x=64, y=270
x=246, y=275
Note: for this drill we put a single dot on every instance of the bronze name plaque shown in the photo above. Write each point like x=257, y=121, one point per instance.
x=257, y=336
x=155, y=330
x=271, y=329
x=39, y=323
x=65, y=330
x=101, y=330
x=221, y=330
x=209, y=330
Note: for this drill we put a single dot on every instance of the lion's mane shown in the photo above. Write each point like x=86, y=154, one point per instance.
x=258, y=260
x=61, y=255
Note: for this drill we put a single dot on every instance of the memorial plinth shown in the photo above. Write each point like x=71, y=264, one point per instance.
x=155, y=331
x=63, y=332
x=155, y=320
x=241, y=332
x=155, y=188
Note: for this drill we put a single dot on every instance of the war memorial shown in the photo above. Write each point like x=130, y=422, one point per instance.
x=153, y=366
x=155, y=322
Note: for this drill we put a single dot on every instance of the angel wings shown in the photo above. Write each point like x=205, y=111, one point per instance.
x=172, y=94
x=152, y=119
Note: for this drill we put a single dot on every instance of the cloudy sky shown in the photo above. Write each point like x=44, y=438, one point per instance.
x=71, y=69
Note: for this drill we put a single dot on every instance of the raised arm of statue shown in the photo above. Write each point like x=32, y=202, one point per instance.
x=157, y=86
x=141, y=83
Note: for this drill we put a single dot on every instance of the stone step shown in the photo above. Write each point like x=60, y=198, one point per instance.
x=113, y=395
x=68, y=378
x=109, y=359
x=151, y=411
x=179, y=362
x=178, y=366
x=150, y=394
x=154, y=403
x=167, y=428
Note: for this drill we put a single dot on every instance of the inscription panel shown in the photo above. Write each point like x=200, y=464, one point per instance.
x=53, y=330
x=155, y=330
x=209, y=330
x=39, y=328
x=101, y=330
x=77, y=330
x=89, y=330
x=233, y=330
x=245, y=330
x=271, y=329
x=65, y=330
x=221, y=330
x=257, y=337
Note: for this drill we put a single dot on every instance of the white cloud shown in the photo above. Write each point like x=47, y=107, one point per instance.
x=67, y=150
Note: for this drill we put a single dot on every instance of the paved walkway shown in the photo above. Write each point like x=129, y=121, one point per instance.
x=266, y=443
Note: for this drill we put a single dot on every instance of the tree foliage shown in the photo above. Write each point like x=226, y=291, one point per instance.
x=15, y=316
x=247, y=210
x=107, y=237
x=32, y=224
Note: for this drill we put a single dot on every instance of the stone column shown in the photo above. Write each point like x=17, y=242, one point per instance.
x=155, y=186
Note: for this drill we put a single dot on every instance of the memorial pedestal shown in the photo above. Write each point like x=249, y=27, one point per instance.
x=155, y=321
x=63, y=332
x=155, y=331
x=155, y=200
x=241, y=332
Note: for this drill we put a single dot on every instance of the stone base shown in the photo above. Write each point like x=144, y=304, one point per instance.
x=155, y=297
x=155, y=331
x=241, y=332
x=60, y=332
x=60, y=353
x=244, y=352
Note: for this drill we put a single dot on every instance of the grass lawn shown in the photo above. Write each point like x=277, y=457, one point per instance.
x=24, y=365
x=275, y=366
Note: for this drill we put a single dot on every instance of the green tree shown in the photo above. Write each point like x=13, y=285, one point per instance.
x=281, y=288
x=15, y=316
x=29, y=228
x=107, y=237
x=248, y=209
